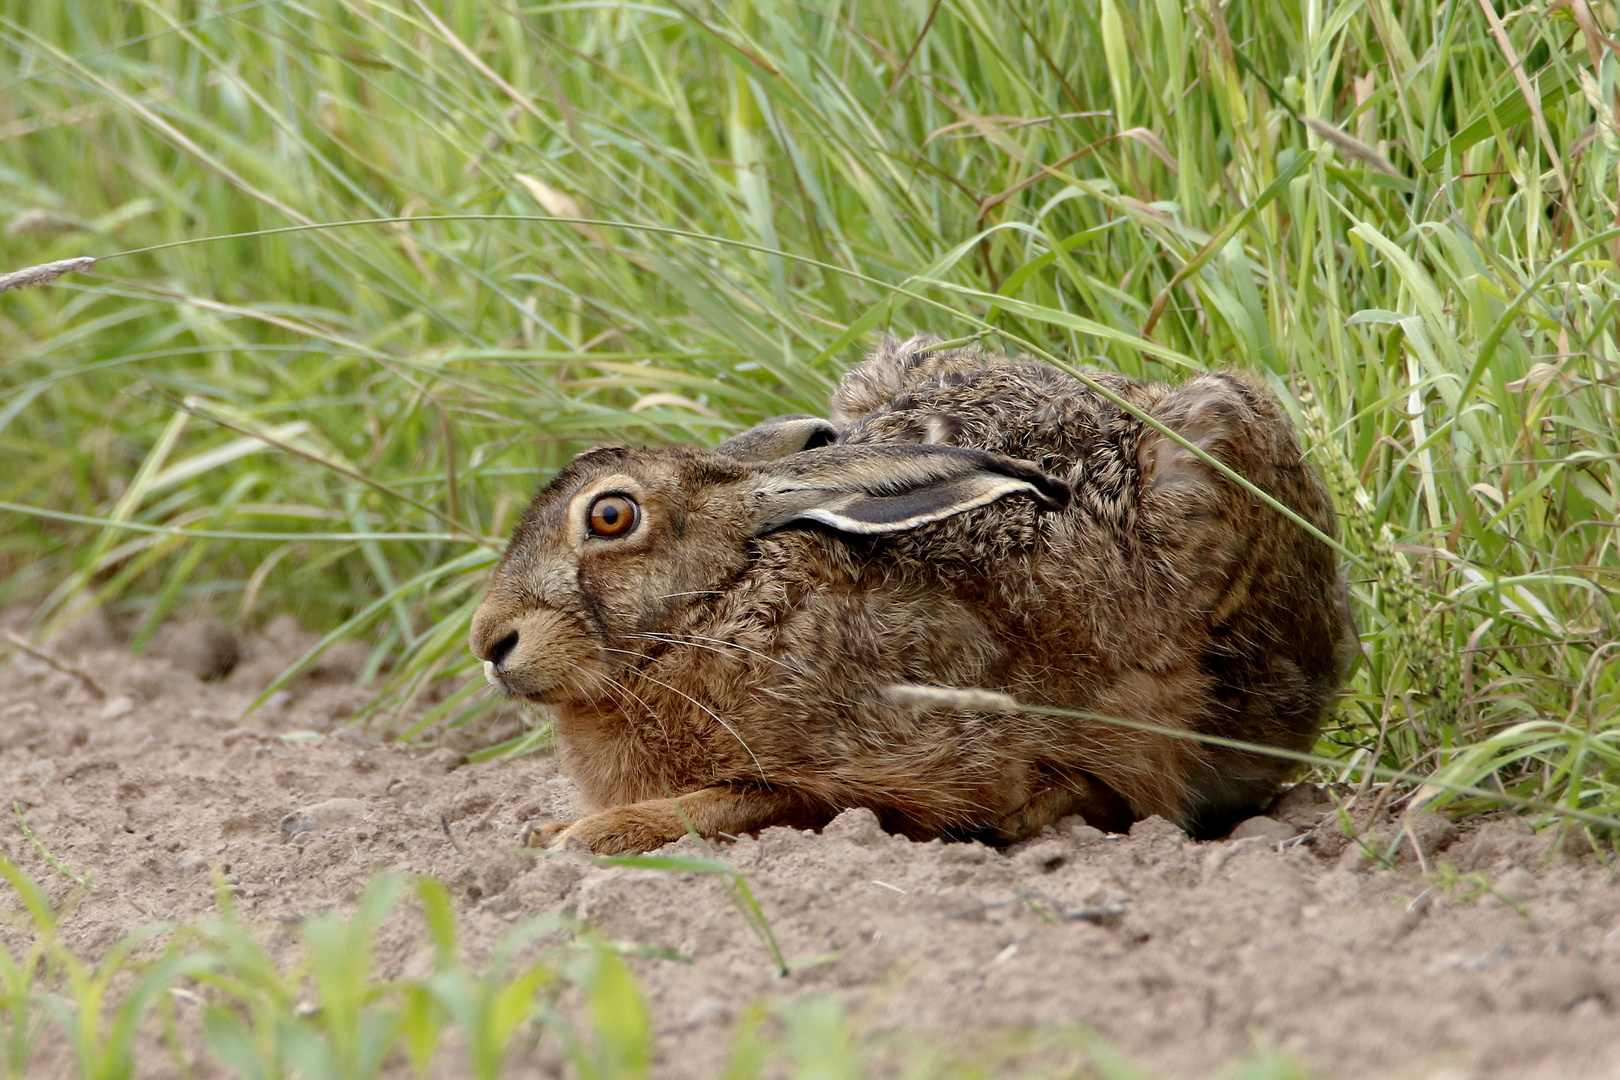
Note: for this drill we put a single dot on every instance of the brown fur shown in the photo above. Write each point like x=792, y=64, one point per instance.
x=709, y=672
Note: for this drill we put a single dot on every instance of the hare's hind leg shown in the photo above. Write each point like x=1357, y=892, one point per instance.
x=1216, y=541
x=1224, y=414
x=1258, y=597
x=727, y=810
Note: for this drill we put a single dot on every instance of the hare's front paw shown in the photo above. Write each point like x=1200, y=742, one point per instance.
x=541, y=833
x=620, y=830
x=721, y=811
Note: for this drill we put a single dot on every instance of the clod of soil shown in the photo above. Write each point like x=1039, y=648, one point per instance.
x=1184, y=954
x=205, y=649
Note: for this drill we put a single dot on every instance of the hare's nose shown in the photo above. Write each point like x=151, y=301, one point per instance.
x=502, y=649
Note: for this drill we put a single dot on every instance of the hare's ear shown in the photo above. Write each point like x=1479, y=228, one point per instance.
x=883, y=488
x=778, y=437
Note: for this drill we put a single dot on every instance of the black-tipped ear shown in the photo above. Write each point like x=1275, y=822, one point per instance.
x=883, y=488
x=778, y=437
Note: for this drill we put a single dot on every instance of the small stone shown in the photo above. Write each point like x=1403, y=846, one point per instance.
x=1574, y=843
x=1328, y=840
x=1516, y=886
x=38, y=817
x=117, y=708
x=329, y=816
x=344, y=661
x=284, y=631
x=1268, y=829
x=1491, y=841
x=445, y=759
x=1218, y=855
x=258, y=671
x=1157, y=828
x=1302, y=806
x=88, y=632
x=971, y=853
x=706, y=1010
x=857, y=826
x=296, y=824
x=1434, y=833
x=1076, y=829
x=1354, y=858
x=205, y=648
x=191, y=863
x=1559, y=983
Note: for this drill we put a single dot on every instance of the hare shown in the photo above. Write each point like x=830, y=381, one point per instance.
x=719, y=632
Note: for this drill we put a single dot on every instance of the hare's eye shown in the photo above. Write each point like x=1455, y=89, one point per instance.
x=613, y=515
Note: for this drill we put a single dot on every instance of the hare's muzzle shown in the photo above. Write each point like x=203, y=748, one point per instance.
x=506, y=668
x=501, y=650
x=537, y=654
x=495, y=660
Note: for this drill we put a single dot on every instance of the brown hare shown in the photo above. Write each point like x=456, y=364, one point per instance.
x=717, y=631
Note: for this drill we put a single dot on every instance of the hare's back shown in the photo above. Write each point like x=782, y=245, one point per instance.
x=909, y=392
x=918, y=365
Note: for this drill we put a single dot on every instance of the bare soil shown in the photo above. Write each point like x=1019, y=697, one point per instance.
x=1185, y=955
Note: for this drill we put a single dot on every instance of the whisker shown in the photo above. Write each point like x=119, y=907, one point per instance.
x=612, y=687
x=716, y=716
x=683, y=639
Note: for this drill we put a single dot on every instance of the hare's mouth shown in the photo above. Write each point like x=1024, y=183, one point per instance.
x=518, y=684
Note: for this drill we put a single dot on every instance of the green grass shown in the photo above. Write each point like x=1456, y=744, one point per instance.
x=659, y=222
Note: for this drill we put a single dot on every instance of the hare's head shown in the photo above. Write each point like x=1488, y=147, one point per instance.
x=623, y=541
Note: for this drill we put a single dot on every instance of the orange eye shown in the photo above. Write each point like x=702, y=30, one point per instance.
x=613, y=515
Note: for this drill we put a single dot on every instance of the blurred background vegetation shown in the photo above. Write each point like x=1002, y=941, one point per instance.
x=588, y=221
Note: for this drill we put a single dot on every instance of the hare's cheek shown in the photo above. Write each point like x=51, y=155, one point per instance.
x=617, y=590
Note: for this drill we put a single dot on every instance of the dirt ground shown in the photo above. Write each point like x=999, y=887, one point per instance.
x=1185, y=955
